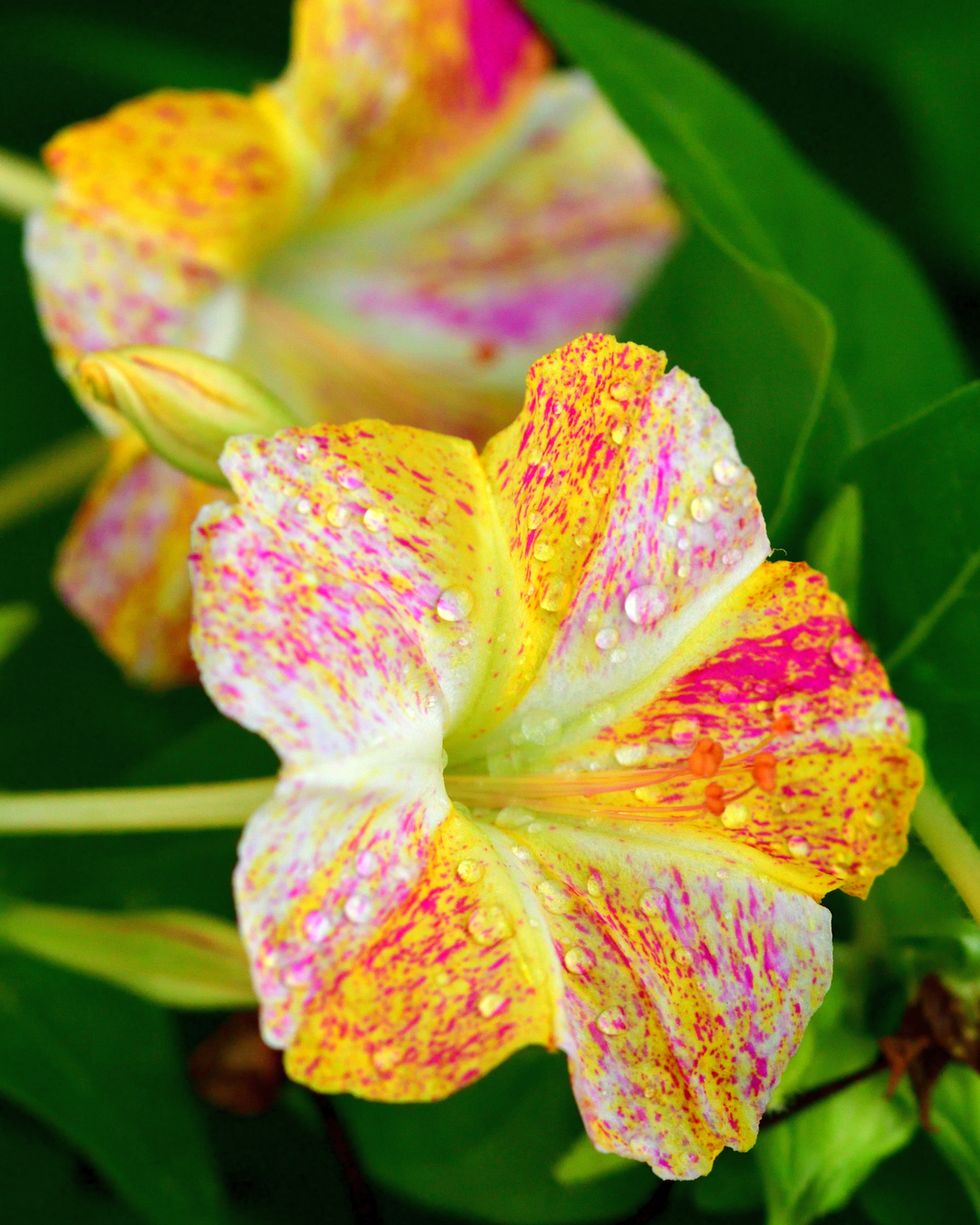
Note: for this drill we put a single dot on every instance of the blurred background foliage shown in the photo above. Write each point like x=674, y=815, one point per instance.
x=98, y=1122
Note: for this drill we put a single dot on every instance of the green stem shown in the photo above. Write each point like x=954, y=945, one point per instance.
x=24, y=185
x=949, y=844
x=133, y=809
x=46, y=478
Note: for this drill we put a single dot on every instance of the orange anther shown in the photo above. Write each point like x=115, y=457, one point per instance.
x=764, y=771
x=782, y=724
x=714, y=799
x=706, y=758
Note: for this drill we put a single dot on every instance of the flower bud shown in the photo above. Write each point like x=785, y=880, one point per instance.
x=186, y=406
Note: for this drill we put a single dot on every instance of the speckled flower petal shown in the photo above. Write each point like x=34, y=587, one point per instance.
x=209, y=174
x=687, y=980
x=405, y=516
x=629, y=517
x=444, y=985
x=569, y=225
x=122, y=568
x=395, y=97
x=816, y=780
x=287, y=646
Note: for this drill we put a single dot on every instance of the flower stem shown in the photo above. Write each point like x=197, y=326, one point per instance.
x=949, y=844
x=24, y=185
x=46, y=478
x=133, y=809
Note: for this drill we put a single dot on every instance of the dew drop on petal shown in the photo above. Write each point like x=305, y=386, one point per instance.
x=731, y=557
x=798, y=846
x=337, y=514
x=612, y=1021
x=702, y=508
x=726, y=471
x=540, y=727
x=593, y=886
x=349, y=478
x=602, y=715
x=317, y=926
x=303, y=453
x=304, y=506
x=578, y=960
x=454, y=604
x=490, y=1004
x=385, y=1058
x=553, y=897
x=436, y=511
x=650, y=902
x=735, y=816
x=617, y=434
x=607, y=637
x=847, y=654
x=358, y=908
x=630, y=754
x=874, y=817
x=645, y=605
x=543, y=550
x=535, y=519
x=513, y=817
x=489, y=925
x=366, y=863
x=555, y=595
x=469, y=870
x=375, y=520
x=620, y=391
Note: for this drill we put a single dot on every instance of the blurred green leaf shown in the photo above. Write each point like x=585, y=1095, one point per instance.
x=834, y=546
x=489, y=1151
x=16, y=622
x=915, y=1186
x=805, y=247
x=734, y=1185
x=175, y=958
x=955, y=1111
x=99, y=1066
x=921, y=580
x=582, y=1162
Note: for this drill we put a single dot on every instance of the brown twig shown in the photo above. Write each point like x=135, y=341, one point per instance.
x=819, y=1093
x=362, y=1201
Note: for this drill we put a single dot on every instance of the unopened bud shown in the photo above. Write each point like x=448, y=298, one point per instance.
x=185, y=405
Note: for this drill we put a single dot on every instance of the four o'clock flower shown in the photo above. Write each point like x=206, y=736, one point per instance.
x=414, y=211
x=566, y=760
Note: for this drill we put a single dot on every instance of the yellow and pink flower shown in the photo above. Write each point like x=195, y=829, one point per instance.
x=397, y=227
x=566, y=760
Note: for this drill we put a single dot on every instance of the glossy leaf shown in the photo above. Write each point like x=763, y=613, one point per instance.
x=956, y=1115
x=834, y=546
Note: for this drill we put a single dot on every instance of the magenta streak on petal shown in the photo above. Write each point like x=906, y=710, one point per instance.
x=498, y=32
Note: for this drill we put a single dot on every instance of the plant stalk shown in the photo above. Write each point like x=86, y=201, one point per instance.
x=949, y=844
x=24, y=185
x=46, y=478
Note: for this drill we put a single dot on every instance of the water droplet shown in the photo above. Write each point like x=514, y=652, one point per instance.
x=513, y=817
x=630, y=754
x=683, y=544
x=731, y=557
x=455, y=604
x=349, y=478
x=543, y=550
x=684, y=955
x=375, y=520
x=735, y=816
x=358, y=908
x=620, y=391
x=304, y=506
x=317, y=926
x=555, y=595
x=436, y=511
x=593, y=886
x=607, y=637
x=535, y=519
x=553, y=897
x=612, y=1021
x=602, y=715
x=385, y=1058
x=702, y=508
x=540, y=727
x=581, y=539
x=650, y=901
x=617, y=434
x=874, y=817
x=645, y=604
x=798, y=846
x=578, y=960
x=298, y=973
x=366, y=863
x=469, y=871
x=490, y=1004
x=337, y=514
x=303, y=453
x=683, y=731
x=726, y=471
x=618, y=655
x=489, y=925
x=672, y=519
x=847, y=654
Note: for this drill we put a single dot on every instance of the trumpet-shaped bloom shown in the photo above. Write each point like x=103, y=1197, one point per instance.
x=396, y=227
x=565, y=760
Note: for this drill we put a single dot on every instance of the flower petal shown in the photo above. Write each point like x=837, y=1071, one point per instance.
x=396, y=96
x=778, y=670
x=317, y=665
x=557, y=240
x=403, y=518
x=628, y=517
x=687, y=982
x=208, y=173
x=122, y=567
x=429, y=985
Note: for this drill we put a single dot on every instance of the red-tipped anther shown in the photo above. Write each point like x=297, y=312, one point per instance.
x=714, y=799
x=706, y=758
x=764, y=771
x=782, y=724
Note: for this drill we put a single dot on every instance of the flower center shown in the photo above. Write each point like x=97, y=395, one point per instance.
x=647, y=793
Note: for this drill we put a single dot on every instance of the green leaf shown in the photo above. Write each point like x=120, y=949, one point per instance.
x=176, y=958
x=921, y=581
x=956, y=1116
x=16, y=622
x=99, y=1066
x=914, y=1187
x=834, y=546
x=490, y=1151
x=582, y=1162
x=807, y=249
